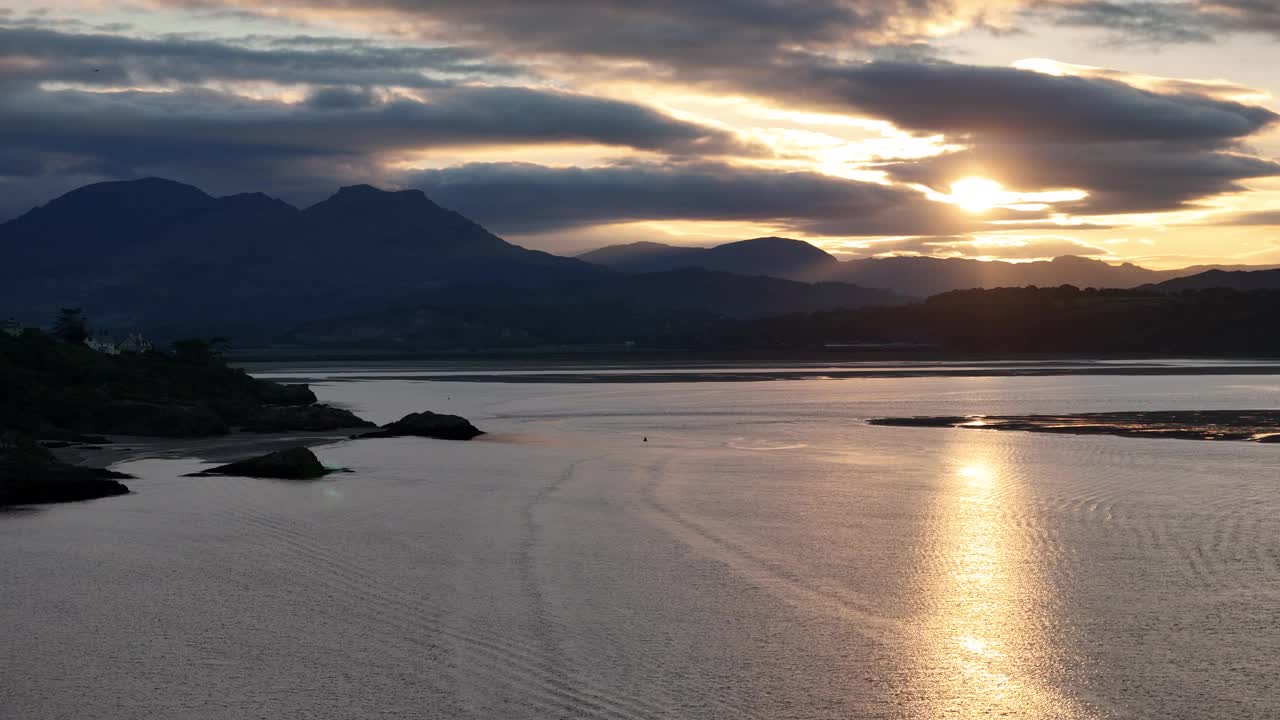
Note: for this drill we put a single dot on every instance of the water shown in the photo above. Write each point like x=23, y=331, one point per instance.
x=764, y=555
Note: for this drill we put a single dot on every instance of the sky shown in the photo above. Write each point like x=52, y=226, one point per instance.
x=1144, y=131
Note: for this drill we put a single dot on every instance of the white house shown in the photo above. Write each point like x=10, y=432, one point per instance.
x=102, y=344
x=135, y=343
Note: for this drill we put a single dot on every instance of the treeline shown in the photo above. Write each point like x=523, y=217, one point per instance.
x=1063, y=319
x=54, y=382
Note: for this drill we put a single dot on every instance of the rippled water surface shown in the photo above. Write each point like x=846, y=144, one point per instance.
x=765, y=554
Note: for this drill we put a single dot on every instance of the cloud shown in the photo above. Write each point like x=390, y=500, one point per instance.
x=229, y=141
x=39, y=54
x=109, y=103
x=1262, y=217
x=1132, y=177
x=1009, y=103
x=667, y=33
x=965, y=246
x=1167, y=22
x=526, y=198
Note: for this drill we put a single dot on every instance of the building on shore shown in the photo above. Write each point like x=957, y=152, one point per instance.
x=103, y=344
x=135, y=343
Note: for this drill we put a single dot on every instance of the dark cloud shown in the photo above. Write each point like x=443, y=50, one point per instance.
x=1178, y=21
x=717, y=32
x=1120, y=177
x=1264, y=217
x=1132, y=149
x=1008, y=103
x=38, y=54
x=784, y=50
x=230, y=143
x=525, y=198
x=346, y=122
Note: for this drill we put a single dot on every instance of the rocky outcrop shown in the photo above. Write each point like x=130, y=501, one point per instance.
x=311, y=418
x=125, y=417
x=1243, y=425
x=429, y=424
x=272, y=393
x=30, y=474
x=297, y=463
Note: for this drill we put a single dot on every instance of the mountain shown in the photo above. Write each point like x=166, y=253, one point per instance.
x=1233, y=279
x=151, y=252
x=912, y=276
x=768, y=256
x=172, y=259
x=925, y=276
x=643, y=256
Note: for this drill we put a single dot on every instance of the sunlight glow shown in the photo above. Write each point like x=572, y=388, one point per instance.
x=978, y=195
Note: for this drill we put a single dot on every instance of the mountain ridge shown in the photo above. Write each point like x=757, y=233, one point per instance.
x=917, y=276
x=158, y=253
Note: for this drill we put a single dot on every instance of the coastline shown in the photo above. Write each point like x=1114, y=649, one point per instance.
x=221, y=448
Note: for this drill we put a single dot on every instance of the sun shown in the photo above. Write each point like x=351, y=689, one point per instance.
x=977, y=195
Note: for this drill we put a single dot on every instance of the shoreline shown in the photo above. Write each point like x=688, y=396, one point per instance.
x=660, y=374
x=220, y=448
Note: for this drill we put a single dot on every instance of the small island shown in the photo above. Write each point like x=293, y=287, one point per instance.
x=1261, y=426
x=296, y=463
x=68, y=391
x=31, y=474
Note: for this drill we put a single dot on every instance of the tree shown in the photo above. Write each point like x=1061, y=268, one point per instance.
x=71, y=326
x=199, y=351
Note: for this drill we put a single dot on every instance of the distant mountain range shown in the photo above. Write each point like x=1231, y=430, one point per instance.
x=380, y=266
x=155, y=253
x=914, y=276
x=1233, y=279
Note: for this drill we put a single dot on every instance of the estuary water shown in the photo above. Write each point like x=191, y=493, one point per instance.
x=624, y=549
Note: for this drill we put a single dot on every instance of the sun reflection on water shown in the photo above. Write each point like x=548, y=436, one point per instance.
x=982, y=648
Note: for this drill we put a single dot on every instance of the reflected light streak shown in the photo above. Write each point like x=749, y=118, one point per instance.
x=982, y=652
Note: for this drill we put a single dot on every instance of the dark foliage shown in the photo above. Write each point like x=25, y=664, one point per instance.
x=1044, y=320
x=71, y=327
x=47, y=385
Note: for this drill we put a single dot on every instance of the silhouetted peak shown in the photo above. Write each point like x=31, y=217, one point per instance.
x=255, y=199
x=367, y=198
x=357, y=190
x=146, y=189
x=371, y=192
x=772, y=240
x=773, y=243
x=1065, y=260
x=119, y=202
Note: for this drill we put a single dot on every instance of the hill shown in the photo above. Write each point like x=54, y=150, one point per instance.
x=912, y=276
x=1233, y=279
x=168, y=257
x=768, y=256
x=679, y=307
x=1042, y=320
x=154, y=252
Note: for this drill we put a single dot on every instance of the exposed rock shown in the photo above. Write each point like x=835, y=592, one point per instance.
x=125, y=417
x=312, y=418
x=429, y=424
x=273, y=393
x=30, y=474
x=1248, y=425
x=297, y=463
